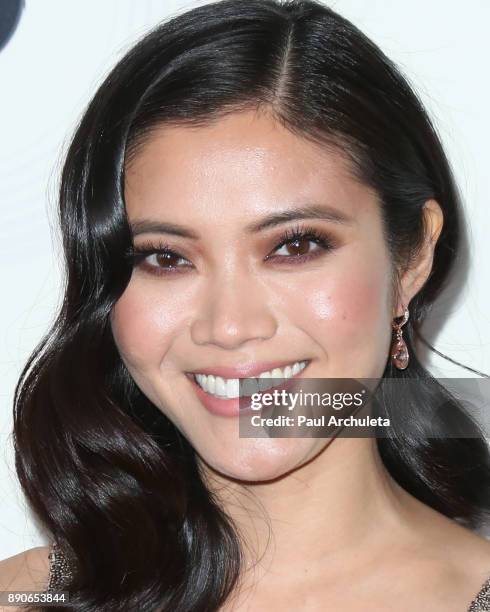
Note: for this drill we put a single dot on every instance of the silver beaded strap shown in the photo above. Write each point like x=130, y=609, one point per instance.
x=59, y=569
x=481, y=603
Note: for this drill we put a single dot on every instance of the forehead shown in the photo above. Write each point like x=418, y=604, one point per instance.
x=244, y=163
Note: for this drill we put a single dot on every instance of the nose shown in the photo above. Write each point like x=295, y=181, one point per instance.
x=234, y=311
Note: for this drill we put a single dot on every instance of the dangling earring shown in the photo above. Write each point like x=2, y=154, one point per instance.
x=399, y=351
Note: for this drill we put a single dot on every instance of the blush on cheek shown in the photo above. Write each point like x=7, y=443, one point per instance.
x=346, y=304
x=151, y=306
x=142, y=328
x=363, y=324
x=362, y=304
x=148, y=321
x=349, y=318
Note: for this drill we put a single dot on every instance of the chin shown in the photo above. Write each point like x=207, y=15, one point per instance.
x=261, y=459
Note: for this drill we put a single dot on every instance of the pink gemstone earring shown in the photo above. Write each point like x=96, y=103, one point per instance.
x=399, y=351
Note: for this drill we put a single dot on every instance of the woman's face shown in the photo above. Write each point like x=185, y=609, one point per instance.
x=232, y=296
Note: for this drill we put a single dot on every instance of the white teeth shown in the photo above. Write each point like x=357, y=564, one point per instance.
x=220, y=386
x=210, y=383
x=230, y=387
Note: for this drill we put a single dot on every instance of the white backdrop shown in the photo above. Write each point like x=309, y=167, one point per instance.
x=61, y=51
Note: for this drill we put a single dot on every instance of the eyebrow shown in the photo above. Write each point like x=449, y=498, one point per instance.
x=312, y=211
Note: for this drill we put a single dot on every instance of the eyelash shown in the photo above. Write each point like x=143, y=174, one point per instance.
x=139, y=254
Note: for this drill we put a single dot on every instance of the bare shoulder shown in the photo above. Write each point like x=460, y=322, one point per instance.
x=26, y=571
x=459, y=556
x=469, y=548
x=469, y=556
x=433, y=554
x=443, y=537
x=460, y=545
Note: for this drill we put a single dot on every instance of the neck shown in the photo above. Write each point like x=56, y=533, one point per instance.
x=333, y=512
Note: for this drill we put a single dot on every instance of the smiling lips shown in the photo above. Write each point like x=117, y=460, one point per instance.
x=229, y=388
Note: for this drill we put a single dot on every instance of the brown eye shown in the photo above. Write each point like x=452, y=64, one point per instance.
x=296, y=247
x=159, y=259
x=167, y=260
x=300, y=246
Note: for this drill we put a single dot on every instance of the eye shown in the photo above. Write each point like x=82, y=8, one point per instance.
x=165, y=259
x=297, y=248
x=296, y=245
x=158, y=259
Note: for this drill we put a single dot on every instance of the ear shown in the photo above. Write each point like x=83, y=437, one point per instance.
x=414, y=278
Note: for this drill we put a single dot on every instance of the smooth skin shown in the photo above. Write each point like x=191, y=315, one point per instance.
x=323, y=524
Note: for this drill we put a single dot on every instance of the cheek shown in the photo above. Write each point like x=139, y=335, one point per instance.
x=145, y=324
x=347, y=303
x=348, y=314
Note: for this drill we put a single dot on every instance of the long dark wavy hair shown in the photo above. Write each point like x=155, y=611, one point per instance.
x=108, y=475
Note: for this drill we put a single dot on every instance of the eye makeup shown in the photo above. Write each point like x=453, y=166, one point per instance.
x=158, y=258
